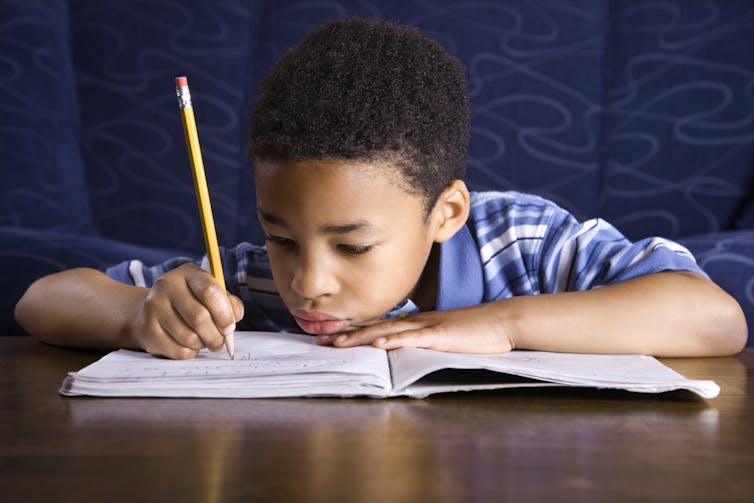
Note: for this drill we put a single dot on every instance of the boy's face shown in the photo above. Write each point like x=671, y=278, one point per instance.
x=346, y=243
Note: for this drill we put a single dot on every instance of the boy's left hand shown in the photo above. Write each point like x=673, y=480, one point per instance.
x=467, y=330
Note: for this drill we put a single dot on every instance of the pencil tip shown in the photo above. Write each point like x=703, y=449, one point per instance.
x=230, y=346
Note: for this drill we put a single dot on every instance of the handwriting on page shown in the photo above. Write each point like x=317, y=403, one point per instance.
x=222, y=367
x=239, y=355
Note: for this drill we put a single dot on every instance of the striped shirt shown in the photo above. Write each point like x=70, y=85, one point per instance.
x=513, y=244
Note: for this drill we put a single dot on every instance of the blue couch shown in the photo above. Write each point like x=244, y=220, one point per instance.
x=640, y=112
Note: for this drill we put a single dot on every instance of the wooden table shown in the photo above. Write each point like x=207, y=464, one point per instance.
x=514, y=445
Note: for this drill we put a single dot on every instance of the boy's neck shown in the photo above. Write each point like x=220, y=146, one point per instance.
x=425, y=293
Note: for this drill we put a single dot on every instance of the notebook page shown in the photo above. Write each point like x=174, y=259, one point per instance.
x=265, y=363
x=629, y=372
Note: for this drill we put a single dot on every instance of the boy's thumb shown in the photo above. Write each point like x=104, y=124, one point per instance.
x=237, y=305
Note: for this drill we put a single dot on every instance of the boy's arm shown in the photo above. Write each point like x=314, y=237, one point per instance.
x=178, y=316
x=661, y=314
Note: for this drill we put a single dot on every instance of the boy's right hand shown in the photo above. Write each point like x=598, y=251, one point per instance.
x=185, y=310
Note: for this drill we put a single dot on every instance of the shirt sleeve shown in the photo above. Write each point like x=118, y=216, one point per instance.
x=135, y=272
x=247, y=276
x=583, y=255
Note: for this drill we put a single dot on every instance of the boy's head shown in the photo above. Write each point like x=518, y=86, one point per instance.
x=368, y=91
x=359, y=143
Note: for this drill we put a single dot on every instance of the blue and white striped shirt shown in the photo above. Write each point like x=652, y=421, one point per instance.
x=513, y=244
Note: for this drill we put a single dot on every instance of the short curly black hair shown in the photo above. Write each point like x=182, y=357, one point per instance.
x=368, y=90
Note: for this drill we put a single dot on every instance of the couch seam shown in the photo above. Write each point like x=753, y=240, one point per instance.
x=604, y=129
x=248, y=82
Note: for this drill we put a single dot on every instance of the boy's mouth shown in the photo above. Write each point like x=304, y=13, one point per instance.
x=319, y=323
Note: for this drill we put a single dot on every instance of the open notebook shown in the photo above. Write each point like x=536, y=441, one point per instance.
x=286, y=365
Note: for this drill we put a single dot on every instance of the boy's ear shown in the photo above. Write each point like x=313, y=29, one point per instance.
x=451, y=211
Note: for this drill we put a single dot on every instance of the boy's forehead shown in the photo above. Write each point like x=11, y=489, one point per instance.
x=350, y=188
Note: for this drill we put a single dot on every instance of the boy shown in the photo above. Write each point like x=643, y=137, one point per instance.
x=359, y=143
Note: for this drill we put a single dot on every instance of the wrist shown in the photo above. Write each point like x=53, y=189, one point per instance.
x=131, y=325
x=508, y=321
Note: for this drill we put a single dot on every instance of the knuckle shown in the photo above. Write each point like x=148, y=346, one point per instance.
x=152, y=300
x=161, y=283
x=215, y=344
x=148, y=347
x=182, y=353
x=197, y=316
x=211, y=339
x=208, y=293
x=188, y=339
x=213, y=298
x=204, y=287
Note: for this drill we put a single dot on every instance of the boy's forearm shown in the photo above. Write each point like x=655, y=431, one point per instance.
x=664, y=314
x=81, y=307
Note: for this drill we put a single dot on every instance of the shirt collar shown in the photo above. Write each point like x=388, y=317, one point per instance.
x=460, y=282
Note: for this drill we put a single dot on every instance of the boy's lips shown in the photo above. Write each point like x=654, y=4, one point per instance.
x=319, y=323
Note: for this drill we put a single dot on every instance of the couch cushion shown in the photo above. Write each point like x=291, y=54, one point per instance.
x=680, y=134
x=28, y=254
x=42, y=183
x=127, y=57
x=746, y=219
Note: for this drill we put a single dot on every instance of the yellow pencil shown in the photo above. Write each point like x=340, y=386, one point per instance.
x=200, y=184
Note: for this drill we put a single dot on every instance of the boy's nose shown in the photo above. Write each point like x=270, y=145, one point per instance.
x=312, y=279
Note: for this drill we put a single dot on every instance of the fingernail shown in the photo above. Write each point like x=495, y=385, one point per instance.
x=342, y=338
x=380, y=341
x=324, y=338
x=229, y=330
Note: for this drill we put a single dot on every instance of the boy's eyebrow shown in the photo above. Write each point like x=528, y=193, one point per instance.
x=345, y=228
x=325, y=229
x=270, y=217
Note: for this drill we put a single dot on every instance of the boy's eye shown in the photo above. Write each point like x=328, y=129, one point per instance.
x=355, y=249
x=347, y=249
x=280, y=241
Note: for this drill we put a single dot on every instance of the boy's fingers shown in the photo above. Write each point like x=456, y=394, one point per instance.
x=369, y=334
x=238, y=308
x=325, y=340
x=176, y=328
x=199, y=319
x=419, y=338
x=162, y=344
x=218, y=309
x=439, y=339
x=176, y=352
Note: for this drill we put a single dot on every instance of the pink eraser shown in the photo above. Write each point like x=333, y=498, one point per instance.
x=181, y=82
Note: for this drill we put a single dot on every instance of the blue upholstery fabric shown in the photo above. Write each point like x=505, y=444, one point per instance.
x=640, y=112
x=42, y=181
x=680, y=117
x=127, y=57
x=746, y=219
x=27, y=254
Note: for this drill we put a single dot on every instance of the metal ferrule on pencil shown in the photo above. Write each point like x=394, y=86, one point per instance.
x=184, y=96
